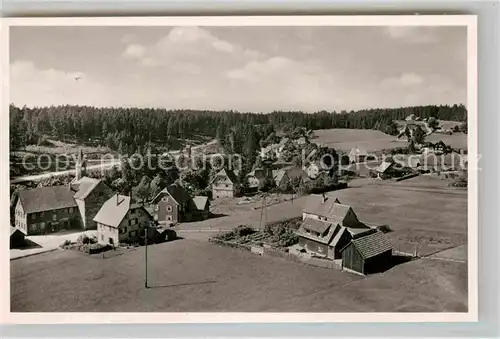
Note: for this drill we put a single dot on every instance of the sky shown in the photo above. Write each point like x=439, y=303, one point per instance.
x=249, y=69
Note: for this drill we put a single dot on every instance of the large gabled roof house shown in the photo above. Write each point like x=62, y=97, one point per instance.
x=387, y=170
x=224, y=184
x=50, y=209
x=328, y=226
x=121, y=220
x=257, y=178
x=174, y=204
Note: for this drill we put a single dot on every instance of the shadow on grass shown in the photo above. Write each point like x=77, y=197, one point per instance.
x=396, y=260
x=185, y=284
x=217, y=215
x=28, y=245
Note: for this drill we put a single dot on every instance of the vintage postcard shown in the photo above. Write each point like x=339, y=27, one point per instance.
x=240, y=169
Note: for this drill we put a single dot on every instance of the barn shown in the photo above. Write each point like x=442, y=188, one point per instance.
x=369, y=252
x=16, y=238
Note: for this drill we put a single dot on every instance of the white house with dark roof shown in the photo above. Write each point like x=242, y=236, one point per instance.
x=121, y=220
x=224, y=184
x=328, y=226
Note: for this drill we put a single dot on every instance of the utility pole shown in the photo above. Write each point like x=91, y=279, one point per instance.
x=146, y=255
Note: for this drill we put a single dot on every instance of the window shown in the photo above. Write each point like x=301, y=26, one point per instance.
x=42, y=226
x=169, y=217
x=34, y=227
x=102, y=237
x=320, y=249
x=71, y=210
x=164, y=199
x=156, y=207
x=41, y=215
x=169, y=208
x=122, y=230
x=132, y=234
x=54, y=217
x=33, y=216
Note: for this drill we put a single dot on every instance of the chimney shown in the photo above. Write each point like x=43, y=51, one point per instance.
x=324, y=198
x=117, y=199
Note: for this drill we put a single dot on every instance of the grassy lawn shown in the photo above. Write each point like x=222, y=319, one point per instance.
x=345, y=139
x=371, y=140
x=189, y=275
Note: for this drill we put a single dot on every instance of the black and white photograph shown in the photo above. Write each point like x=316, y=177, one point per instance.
x=278, y=165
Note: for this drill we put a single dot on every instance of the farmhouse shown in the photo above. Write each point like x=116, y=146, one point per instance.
x=120, y=220
x=174, y=204
x=386, y=170
x=314, y=170
x=256, y=179
x=328, y=226
x=47, y=209
x=50, y=209
x=357, y=155
x=224, y=184
x=367, y=253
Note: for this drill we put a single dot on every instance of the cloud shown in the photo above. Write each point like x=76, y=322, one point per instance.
x=190, y=45
x=405, y=79
x=135, y=51
x=412, y=34
x=53, y=87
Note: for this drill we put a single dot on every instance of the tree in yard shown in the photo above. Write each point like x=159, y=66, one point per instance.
x=432, y=123
x=143, y=190
x=418, y=135
x=411, y=147
x=127, y=176
x=157, y=184
x=463, y=128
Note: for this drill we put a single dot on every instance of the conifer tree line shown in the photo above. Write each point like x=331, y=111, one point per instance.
x=126, y=129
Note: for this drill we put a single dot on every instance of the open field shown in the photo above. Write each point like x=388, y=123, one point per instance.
x=371, y=140
x=456, y=140
x=188, y=275
x=345, y=139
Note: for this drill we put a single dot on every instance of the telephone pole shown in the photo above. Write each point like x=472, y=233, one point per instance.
x=146, y=255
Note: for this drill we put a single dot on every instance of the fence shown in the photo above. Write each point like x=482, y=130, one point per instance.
x=267, y=250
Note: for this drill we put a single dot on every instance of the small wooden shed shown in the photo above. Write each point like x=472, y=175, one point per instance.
x=367, y=253
x=16, y=238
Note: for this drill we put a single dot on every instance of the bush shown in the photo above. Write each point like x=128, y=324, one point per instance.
x=66, y=243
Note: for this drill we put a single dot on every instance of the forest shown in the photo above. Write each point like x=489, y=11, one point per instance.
x=127, y=129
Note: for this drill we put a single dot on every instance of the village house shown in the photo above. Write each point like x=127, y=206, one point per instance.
x=120, y=220
x=302, y=141
x=225, y=184
x=357, y=154
x=50, y=209
x=327, y=226
x=387, y=170
x=366, y=253
x=174, y=204
x=257, y=179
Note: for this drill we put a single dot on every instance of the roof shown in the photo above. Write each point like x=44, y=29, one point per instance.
x=14, y=230
x=114, y=210
x=177, y=192
x=330, y=208
x=452, y=160
x=331, y=238
x=227, y=173
x=200, y=202
x=258, y=173
x=84, y=187
x=278, y=175
x=371, y=244
x=316, y=225
x=384, y=166
x=47, y=198
x=283, y=141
